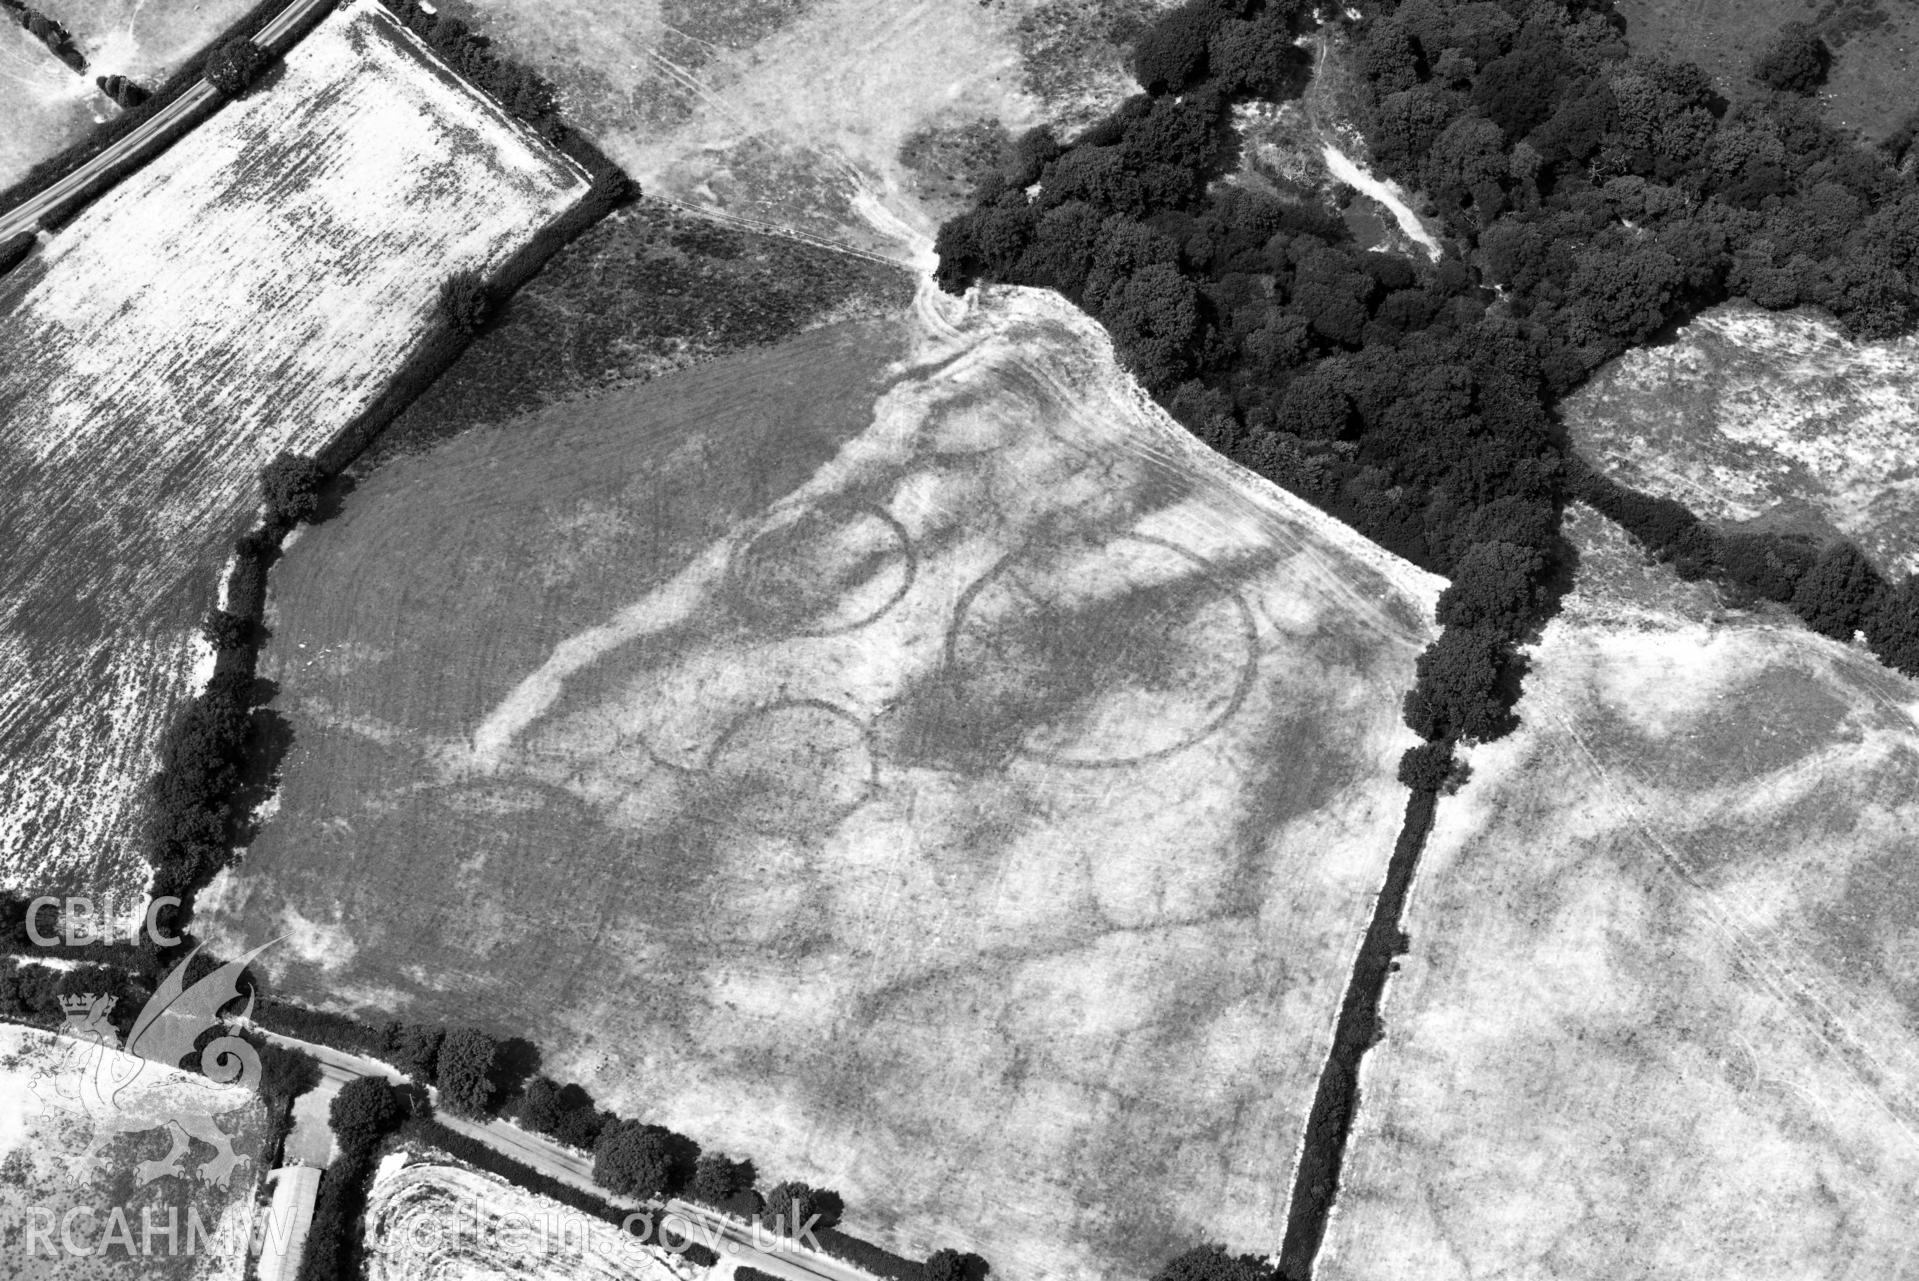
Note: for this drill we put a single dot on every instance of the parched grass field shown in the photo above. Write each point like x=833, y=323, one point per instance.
x=249, y=291
x=901, y=755
x=1749, y=414
x=43, y=104
x=426, y=1221
x=143, y=39
x=40, y=1150
x=1660, y=1015
x=794, y=112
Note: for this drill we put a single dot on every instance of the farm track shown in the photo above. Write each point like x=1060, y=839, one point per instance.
x=151, y=138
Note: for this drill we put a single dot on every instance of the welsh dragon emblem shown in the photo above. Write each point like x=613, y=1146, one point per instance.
x=117, y=1088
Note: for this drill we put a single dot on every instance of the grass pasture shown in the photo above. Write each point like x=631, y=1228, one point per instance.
x=1660, y=1014
x=1875, y=45
x=249, y=291
x=794, y=112
x=900, y=755
x=142, y=39
x=1753, y=415
x=44, y=104
x=42, y=1180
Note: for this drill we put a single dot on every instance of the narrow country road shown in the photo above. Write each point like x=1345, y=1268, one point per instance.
x=731, y=1239
x=151, y=135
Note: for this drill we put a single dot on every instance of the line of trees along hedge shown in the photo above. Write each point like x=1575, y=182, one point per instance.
x=479, y=1077
x=217, y=754
x=1606, y=194
x=517, y=87
x=234, y=66
x=362, y=1115
x=225, y=743
x=645, y=1230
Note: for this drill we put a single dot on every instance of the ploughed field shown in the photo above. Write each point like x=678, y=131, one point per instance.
x=1660, y=1014
x=249, y=291
x=1749, y=415
x=901, y=755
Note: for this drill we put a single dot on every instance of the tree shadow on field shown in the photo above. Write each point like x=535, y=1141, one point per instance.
x=515, y=1061
x=333, y=496
x=269, y=739
x=270, y=75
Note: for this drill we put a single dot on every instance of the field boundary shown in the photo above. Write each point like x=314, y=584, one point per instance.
x=237, y=661
x=1336, y=1099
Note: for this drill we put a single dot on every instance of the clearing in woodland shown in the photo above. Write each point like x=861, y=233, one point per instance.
x=901, y=755
x=1755, y=415
x=249, y=291
x=1660, y=1014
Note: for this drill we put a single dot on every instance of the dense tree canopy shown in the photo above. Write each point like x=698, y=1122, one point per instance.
x=465, y=301
x=291, y=486
x=793, y=1206
x=464, y=1069
x=718, y=1178
x=363, y=1111
x=1213, y=1263
x=414, y=1048
x=1794, y=61
x=234, y=66
x=1591, y=196
x=634, y=1160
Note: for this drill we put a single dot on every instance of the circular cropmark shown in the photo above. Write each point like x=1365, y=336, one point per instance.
x=1099, y=655
x=826, y=570
x=791, y=768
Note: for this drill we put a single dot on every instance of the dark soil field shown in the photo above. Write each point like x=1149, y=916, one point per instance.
x=644, y=292
x=897, y=754
x=1660, y=1013
x=1875, y=42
